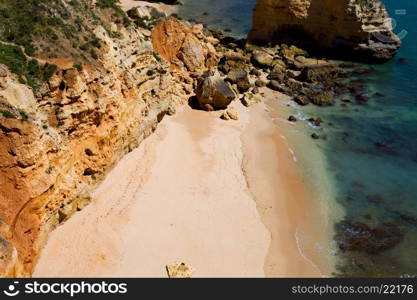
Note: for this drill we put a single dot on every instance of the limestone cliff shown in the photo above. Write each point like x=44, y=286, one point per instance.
x=357, y=29
x=70, y=109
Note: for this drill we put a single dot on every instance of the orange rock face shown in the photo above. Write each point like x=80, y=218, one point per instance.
x=57, y=147
x=182, y=46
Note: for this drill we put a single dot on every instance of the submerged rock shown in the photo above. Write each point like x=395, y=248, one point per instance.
x=356, y=236
x=292, y=119
x=316, y=121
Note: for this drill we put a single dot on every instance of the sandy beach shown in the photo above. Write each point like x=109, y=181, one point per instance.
x=225, y=197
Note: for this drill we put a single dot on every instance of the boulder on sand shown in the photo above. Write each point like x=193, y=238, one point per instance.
x=179, y=270
x=230, y=114
x=213, y=91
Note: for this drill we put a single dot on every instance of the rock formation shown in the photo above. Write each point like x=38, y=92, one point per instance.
x=359, y=29
x=179, y=270
x=61, y=135
x=183, y=47
x=213, y=92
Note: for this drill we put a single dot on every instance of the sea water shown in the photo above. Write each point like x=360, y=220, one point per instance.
x=370, y=150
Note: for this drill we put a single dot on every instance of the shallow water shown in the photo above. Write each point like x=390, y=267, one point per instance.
x=234, y=15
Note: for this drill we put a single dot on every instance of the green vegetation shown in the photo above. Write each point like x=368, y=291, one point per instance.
x=79, y=67
x=29, y=71
x=21, y=20
x=7, y=114
x=48, y=170
x=49, y=28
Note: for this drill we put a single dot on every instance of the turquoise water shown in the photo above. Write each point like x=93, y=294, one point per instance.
x=374, y=184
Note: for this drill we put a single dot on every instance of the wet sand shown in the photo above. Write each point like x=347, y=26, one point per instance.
x=225, y=197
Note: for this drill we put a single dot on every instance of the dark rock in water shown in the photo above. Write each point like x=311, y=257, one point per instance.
x=316, y=121
x=346, y=101
x=213, y=91
x=377, y=94
x=315, y=136
x=357, y=89
x=228, y=30
x=321, y=98
x=302, y=100
x=260, y=83
x=361, y=71
x=347, y=65
x=368, y=216
x=205, y=13
x=375, y=199
x=362, y=98
x=408, y=218
x=403, y=60
x=292, y=119
x=356, y=236
x=380, y=144
x=239, y=77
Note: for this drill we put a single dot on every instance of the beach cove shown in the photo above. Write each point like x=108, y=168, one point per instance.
x=225, y=197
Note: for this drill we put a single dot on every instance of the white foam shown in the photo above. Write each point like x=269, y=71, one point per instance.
x=303, y=255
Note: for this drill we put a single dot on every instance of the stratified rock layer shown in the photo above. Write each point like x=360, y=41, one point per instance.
x=57, y=146
x=360, y=29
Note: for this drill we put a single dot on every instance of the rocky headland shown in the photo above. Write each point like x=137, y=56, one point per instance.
x=359, y=29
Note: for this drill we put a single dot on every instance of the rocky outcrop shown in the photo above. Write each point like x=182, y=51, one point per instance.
x=359, y=29
x=56, y=145
x=179, y=270
x=213, y=92
x=183, y=47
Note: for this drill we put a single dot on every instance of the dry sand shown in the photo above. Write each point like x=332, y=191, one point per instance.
x=225, y=197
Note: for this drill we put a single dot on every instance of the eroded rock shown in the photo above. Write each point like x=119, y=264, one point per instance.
x=214, y=91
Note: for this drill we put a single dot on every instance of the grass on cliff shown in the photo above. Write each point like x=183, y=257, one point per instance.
x=49, y=28
x=30, y=72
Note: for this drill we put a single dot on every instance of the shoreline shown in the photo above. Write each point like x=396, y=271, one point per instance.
x=208, y=169
x=282, y=177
